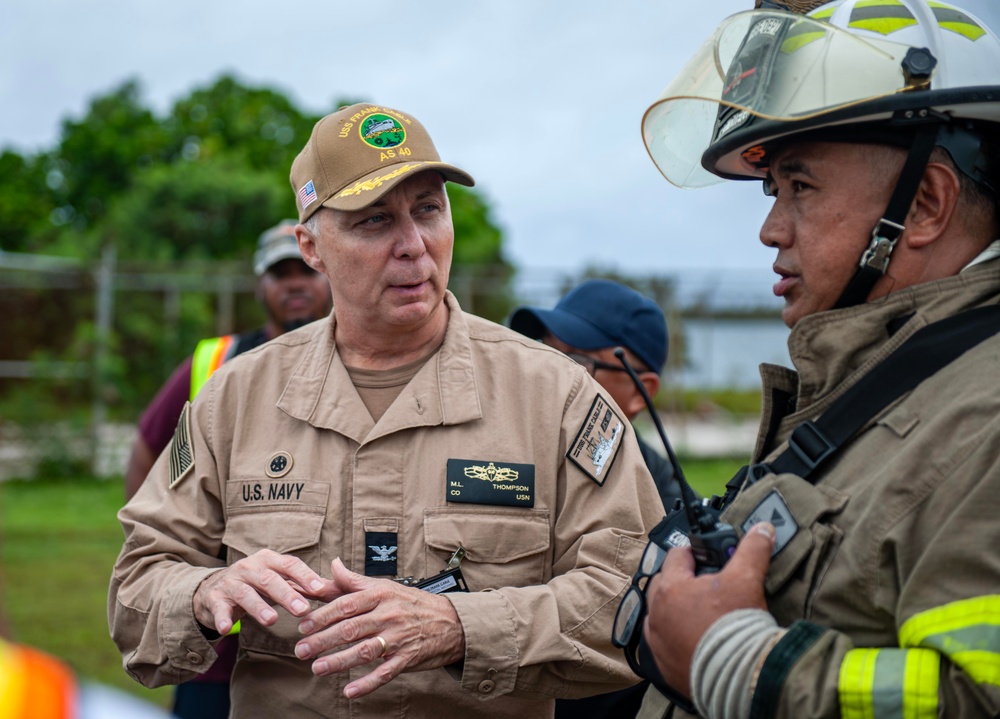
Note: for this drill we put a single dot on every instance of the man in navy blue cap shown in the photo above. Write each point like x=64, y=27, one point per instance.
x=589, y=323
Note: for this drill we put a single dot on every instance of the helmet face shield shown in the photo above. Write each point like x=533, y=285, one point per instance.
x=766, y=64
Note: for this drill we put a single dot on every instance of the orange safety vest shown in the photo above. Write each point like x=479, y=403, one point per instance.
x=34, y=685
x=208, y=357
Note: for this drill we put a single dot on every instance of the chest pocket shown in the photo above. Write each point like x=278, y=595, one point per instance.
x=287, y=518
x=505, y=549
x=283, y=531
x=800, y=561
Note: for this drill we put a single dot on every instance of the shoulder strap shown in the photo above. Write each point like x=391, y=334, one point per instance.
x=927, y=351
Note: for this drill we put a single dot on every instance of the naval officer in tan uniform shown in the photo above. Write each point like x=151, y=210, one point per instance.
x=313, y=471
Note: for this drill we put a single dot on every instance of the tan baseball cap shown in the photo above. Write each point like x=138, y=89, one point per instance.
x=274, y=245
x=359, y=153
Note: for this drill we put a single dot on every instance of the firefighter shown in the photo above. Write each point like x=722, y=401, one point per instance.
x=865, y=584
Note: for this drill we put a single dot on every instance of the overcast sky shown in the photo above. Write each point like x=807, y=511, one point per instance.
x=540, y=102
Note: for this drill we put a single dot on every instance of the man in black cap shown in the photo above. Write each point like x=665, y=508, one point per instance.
x=588, y=324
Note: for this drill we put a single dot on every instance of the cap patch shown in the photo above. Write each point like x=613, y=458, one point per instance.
x=307, y=194
x=181, y=451
x=597, y=444
x=382, y=131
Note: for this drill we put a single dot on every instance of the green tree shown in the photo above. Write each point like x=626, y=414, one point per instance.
x=26, y=203
x=197, y=184
x=199, y=210
x=480, y=277
x=259, y=124
x=99, y=154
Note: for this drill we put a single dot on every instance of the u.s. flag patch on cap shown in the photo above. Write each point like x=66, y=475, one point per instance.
x=307, y=194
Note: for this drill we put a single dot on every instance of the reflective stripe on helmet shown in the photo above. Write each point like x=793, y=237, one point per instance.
x=843, y=63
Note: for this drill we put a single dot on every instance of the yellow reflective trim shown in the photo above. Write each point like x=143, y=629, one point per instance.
x=857, y=679
x=884, y=26
x=799, y=41
x=208, y=357
x=982, y=666
x=878, y=3
x=973, y=32
x=920, y=684
x=949, y=618
x=823, y=13
x=967, y=632
x=889, y=684
x=12, y=681
x=952, y=18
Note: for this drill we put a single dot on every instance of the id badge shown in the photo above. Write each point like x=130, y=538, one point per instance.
x=450, y=580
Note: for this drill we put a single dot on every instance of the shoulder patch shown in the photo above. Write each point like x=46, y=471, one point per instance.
x=597, y=443
x=181, y=450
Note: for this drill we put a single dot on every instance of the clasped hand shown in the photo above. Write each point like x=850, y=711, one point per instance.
x=419, y=630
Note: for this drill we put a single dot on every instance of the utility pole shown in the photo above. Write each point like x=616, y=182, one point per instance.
x=102, y=341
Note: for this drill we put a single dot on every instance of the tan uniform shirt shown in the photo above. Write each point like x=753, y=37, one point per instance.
x=286, y=457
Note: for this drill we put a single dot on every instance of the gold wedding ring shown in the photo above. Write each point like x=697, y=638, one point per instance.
x=385, y=646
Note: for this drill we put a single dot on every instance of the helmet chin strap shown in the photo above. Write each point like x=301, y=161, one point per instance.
x=874, y=260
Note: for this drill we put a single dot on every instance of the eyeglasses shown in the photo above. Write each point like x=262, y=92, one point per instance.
x=632, y=610
x=627, y=630
x=592, y=364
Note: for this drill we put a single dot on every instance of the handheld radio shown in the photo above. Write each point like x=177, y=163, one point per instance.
x=712, y=541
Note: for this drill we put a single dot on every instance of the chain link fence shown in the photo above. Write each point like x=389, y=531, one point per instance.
x=86, y=345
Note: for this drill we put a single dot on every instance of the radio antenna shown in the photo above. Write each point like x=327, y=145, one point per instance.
x=698, y=518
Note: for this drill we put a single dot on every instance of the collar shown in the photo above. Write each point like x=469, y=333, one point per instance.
x=830, y=350
x=443, y=392
x=991, y=252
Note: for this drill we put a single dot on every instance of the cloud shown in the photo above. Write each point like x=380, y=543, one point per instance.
x=540, y=102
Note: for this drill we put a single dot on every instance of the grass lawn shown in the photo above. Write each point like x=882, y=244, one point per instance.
x=58, y=542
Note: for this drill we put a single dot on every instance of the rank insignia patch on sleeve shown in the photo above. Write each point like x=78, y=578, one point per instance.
x=596, y=446
x=181, y=451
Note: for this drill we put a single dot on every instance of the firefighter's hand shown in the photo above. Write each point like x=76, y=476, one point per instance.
x=683, y=606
